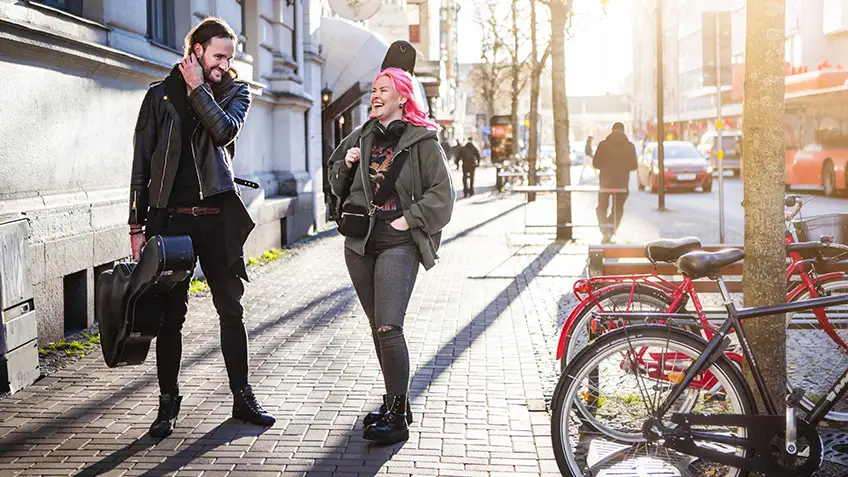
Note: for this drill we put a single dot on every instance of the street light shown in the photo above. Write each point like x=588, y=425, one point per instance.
x=326, y=96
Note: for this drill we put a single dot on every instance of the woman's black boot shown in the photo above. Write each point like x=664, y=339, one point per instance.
x=375, y=416
x=246, y=408
x=392, y=427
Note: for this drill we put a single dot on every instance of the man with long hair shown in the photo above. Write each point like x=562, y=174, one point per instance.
x=182, y=184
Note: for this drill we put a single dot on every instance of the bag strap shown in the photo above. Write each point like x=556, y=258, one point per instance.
x=345, y=192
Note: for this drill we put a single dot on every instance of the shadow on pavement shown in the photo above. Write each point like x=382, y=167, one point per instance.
x=466, y=337
x=374, y=457
x=221, y=435
x=43, y=429
x=481, y=224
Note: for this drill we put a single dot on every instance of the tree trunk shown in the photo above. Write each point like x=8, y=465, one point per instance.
x=559, y=16
x=765, y=264
x=533, y=143
x=516, y=73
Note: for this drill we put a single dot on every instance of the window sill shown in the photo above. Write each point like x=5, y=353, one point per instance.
x=65, y=15
x=165, y=47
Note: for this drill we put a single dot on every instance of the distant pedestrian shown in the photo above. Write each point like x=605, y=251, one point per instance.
x=589, y=151
x=456, y=149
x=614, y=158
x=469, y=155
x=398, y=201
x=447, y=148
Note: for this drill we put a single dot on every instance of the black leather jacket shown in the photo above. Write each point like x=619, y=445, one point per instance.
x=157, y=143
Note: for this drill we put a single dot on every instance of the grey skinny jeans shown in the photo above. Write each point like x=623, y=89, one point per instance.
x=383, y=280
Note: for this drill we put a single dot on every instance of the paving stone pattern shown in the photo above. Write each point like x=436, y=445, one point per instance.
x=476, y=391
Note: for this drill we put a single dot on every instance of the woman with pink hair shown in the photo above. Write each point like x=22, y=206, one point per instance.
x=393, y=209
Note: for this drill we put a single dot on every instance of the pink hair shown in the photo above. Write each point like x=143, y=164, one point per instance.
x=402, y=82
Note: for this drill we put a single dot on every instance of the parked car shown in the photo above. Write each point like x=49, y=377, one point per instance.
x=578, y=152
x=731, y=145
x=685, y=167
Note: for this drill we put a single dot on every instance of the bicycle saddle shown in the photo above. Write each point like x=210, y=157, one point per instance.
x=707, y=264
x=669, y=250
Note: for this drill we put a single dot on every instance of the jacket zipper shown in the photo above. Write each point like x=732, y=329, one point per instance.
x=165, y=168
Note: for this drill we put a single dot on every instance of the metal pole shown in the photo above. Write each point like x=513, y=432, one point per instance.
x=719, y=127
x=660, y=112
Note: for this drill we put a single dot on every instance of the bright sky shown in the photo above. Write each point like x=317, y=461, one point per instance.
x=598, y=57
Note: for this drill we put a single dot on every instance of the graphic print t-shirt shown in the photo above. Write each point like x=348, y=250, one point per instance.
x=382, y=154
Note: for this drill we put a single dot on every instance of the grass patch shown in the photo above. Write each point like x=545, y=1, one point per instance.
x=77, y=347
x=268, y=257
x=197, y=286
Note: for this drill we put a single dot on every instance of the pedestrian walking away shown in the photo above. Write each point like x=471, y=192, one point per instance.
x=469, y=155
x=455, y=154
x=614, y=158
x=447, y=149
x=182, y=184
x=398, y=148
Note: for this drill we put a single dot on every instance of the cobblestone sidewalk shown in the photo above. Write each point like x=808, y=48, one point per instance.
x=476, y=391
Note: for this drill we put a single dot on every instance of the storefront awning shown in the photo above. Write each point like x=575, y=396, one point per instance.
x=352, y=54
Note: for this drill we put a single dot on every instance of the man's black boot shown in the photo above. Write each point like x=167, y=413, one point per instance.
x=375, y=416
x=166, y=420
x=392, y=427
x=247, y=409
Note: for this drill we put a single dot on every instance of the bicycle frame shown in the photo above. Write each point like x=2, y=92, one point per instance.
x=586, y=290
x=733, y=322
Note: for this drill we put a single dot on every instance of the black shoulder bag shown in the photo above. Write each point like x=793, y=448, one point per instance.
x=355, y=220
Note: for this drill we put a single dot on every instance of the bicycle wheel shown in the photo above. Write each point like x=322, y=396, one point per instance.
x=644, y=298
x=621, y=378
x=814, y=360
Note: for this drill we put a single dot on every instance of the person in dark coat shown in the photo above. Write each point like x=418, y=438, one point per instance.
x=469, y=155
x=447, y=148
x=183, y=185
x=614, y=158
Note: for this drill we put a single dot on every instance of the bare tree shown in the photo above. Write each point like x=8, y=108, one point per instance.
x=561, y=16
x=561, y=10
x=537, y=67
x=765, y=260
x=488, y=76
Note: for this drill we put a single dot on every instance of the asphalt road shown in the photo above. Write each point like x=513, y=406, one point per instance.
x=698, y=213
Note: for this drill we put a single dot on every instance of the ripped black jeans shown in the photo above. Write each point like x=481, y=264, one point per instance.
x=384, y=278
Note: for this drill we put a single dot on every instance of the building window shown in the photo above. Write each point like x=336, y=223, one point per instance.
x=161, y=27
x=243, y=19
x=290, y=25
x=413, y=16
x=74, y=7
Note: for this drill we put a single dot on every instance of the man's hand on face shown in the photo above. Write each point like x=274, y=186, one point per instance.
x=192, y=71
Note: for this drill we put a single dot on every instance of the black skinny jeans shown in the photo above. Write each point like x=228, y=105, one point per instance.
x=206, y=234
x=384, y=279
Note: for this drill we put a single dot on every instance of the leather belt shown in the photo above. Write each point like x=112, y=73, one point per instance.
x=195, y=211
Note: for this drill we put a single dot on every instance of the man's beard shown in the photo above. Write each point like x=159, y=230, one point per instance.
x=207, y=73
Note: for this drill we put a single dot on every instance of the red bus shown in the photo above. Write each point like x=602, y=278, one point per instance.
x=816, y=130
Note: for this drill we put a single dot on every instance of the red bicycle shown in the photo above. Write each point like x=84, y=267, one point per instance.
x=816, y=352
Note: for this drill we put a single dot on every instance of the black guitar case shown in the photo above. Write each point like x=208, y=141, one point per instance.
x=128, y=304
x=401, y=54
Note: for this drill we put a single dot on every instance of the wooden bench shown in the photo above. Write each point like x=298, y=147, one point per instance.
x=631, y=260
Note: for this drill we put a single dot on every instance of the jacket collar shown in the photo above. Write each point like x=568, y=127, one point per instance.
x=175, y=85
